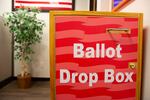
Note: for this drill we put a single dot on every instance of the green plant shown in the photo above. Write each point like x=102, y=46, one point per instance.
x=27, y=30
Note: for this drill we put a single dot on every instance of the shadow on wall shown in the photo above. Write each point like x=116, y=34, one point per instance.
x=145, y=41
x=5, y=52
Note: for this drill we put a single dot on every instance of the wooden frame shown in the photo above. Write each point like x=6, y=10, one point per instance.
x=86, y=13
x=43, y=9
x=93, y=5
x=121, y=5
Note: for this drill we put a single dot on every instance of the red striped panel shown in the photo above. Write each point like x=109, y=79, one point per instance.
x=33, y=2
x=90, y=30
x=49, y=8
x=37, y=2
x=44, y=5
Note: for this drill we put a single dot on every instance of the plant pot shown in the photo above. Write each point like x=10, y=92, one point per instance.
x=24, y=82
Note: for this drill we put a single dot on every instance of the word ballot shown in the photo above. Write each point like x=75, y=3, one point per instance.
x=95, y=56
x=99, y=52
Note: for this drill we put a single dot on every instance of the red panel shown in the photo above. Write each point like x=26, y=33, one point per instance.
x=91, y=31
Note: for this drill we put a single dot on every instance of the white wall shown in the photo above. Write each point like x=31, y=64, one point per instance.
x=40, y=64
x=82, y=5
x=104, y=5
x=144, y=7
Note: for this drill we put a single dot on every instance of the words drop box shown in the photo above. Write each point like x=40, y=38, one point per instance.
x=95, y=56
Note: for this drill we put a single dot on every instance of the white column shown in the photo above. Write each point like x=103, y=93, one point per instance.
x=104, y=5
x=82, y=5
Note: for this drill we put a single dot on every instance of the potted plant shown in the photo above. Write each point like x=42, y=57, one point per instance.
x=26, y=29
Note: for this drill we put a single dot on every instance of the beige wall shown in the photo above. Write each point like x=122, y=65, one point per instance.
x=5, y=52
x=144, y=7
x=82, y=5
x=104, y=5
x=40, y=64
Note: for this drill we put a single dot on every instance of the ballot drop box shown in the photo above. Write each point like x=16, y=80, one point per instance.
x=95, y=55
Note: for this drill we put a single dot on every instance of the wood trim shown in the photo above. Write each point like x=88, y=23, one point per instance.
x=12, y=55
x=93, y=5
x=12, y=46
x=13, y=5
x=40, y=79
x=36, y=79
x=73, y=4
x=52, y=57
x=140, y=54
x=6, y=81
x=92, y=13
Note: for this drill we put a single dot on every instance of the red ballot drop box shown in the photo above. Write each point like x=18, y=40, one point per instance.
x=95, y=55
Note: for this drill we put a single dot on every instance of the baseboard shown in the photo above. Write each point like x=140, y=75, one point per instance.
x=6, y=81
x=10, y=79
x=40, y=79
x=37, y=79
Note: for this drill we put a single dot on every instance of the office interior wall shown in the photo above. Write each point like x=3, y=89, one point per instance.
x=104, y=5
x=40, y=64
x=5, y=52
x=82, y=5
